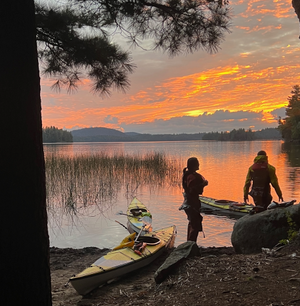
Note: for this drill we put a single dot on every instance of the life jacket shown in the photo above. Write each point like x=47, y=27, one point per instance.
x=260, y=179
x=193, y=184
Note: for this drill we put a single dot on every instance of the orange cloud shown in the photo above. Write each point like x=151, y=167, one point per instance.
x=254, y=72
x=275, y=8
x=231, y=88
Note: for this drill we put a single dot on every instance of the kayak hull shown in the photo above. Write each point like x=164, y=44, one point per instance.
x=119, y=262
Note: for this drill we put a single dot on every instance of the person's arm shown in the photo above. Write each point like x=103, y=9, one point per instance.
x=197, y=183
x=274, y=181
x=247, y=185
x=204, y=182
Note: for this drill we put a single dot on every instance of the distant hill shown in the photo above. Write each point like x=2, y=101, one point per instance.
x=98, y=134
x=101, y=134
x=132, y=133
x=96, y=131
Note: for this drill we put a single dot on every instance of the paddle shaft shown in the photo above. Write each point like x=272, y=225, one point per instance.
x=122, y=225
x=137, y=237
x=119, y=213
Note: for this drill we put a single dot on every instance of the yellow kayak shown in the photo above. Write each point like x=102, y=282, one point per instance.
x=139, y=217
x=129, y=256
x=225, y=207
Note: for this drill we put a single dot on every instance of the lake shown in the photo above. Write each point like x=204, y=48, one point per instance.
x=223, y=164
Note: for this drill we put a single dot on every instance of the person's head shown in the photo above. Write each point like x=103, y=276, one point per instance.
x=193, y=164
x=262, y=153
x=261, y=157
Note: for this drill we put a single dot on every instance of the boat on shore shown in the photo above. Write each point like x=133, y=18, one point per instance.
x=235, y=209
x=139, y=217
x=130, y=255
x=224, y=207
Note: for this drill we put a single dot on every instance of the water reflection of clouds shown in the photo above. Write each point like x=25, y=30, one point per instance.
x=223, y=164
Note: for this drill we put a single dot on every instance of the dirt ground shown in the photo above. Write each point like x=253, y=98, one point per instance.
x=217, y=277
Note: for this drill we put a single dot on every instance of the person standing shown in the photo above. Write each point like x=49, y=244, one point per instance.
x=193, y=184
x=261, y=174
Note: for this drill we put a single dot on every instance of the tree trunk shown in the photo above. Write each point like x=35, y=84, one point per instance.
x=296, y=6
x=24, y=240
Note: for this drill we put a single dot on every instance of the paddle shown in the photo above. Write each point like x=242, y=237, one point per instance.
x=139, y=219
x=127, y=242
x=122, y=225
x=137, y=237
x=138, y=247
x=121, y=213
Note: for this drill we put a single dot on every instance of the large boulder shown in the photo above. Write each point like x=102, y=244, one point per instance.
x=251, y=233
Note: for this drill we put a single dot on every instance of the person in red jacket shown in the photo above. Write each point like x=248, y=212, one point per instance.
x=261, y=174
x=193, y=184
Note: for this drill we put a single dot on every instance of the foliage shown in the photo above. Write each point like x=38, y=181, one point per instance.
x=268, y=133
x=53, y=134
x=290, y=126
x=67, y=51
x=234, y=135
x=75, y=40
x=293, y=230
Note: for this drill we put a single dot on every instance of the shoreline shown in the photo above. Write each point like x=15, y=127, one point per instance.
x=218, y=276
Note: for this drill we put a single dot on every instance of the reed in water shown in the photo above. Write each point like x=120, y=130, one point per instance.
x=82, y=181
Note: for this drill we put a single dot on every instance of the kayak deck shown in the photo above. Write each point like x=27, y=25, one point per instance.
x=121, y=261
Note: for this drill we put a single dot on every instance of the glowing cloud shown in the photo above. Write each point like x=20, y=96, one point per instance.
x=246, y=84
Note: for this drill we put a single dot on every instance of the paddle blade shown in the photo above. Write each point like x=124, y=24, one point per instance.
x=127, y=242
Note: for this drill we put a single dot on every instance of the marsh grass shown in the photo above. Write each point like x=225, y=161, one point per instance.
x=82, y=181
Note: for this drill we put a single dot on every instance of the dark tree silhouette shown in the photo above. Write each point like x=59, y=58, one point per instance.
x=53, y=134
x=296, y=6
x=290, y=125
x=75, y=39
x=25, y=273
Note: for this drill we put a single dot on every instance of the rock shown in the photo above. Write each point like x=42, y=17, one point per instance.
x=251, y=233
x=183, y=251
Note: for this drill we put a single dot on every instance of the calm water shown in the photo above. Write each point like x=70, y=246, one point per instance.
x=223, y=164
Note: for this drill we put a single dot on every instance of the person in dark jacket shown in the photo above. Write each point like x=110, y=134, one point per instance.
x=193, y=184
x=261, y=174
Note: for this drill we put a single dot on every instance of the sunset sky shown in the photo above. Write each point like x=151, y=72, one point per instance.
x=244, y=85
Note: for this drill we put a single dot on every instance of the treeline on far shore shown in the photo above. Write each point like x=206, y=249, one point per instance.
x=242, y=134
x=53, y=134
